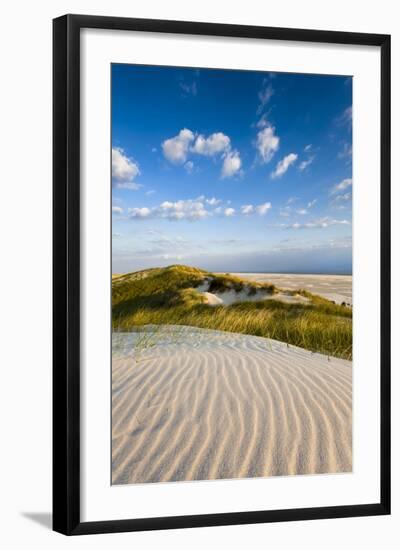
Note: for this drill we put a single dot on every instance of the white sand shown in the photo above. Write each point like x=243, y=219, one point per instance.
x=193, y=404
x=229, y=297
x=337, y=288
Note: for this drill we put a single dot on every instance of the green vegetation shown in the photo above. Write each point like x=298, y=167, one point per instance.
x=168, y=296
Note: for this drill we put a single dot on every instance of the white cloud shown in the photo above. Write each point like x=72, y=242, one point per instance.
x=346, y=118
x=305, y=164
x=150, y=192
x=195, y=209
x=231, y=165
x=214, y=144
x=117, y=210
x=124, y=170
x=188, y=88
x=172, y=257
x=247, y=209
x=213, y=201
x=345, y=197
x=283, y=165
x=180, y=210
x=267, y=143
x=318, y=224
x=262, y=209
x=228, y=212
x=189, y=166
x=308, y=147
x=287, y=211
x=264, y=96
x=263, y=122
x=132, y=185
x=341, y=186
x=176, y=149
x=347, y=152
x=139, y=212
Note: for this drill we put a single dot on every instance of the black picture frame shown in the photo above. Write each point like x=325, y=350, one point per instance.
x=66, y=273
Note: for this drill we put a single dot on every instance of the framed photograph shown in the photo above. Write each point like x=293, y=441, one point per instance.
x=221, y=274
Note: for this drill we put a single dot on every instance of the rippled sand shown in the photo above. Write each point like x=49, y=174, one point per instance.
x=201, y=404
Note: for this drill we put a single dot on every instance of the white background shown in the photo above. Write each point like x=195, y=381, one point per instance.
x=100, y=501
x=26, y=268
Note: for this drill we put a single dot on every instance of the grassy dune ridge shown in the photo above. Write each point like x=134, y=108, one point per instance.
x=169, y=296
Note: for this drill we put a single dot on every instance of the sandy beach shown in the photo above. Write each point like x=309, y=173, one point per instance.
x=195, y=404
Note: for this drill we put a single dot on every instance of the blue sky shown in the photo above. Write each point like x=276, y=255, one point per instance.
x=231, y=170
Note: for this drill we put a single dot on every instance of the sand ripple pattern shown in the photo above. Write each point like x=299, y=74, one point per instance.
x=199, y=404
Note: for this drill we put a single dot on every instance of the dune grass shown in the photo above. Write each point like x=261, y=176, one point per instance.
x=168, y=296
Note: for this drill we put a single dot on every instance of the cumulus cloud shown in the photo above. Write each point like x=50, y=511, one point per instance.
x=124, y=170
x=195, y=209
x=117, y=210
x=247, y=209
x=179, y=210
x=141, y=213
x=176, y=149
x=267, y=143
x=341, y=186
x=228, y=212
x=231, y=165
x=183, y=209
x=214, y=144
x=262, y=209
x=213, y=201
x=283, y=165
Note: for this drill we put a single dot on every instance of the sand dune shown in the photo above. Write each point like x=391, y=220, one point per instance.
x=194, y=404
x=229, y=297
x=337, y=288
